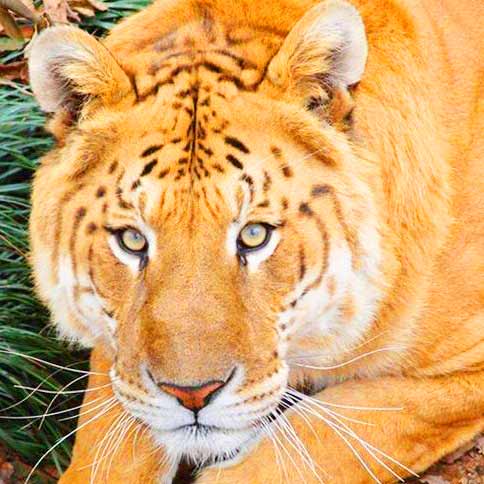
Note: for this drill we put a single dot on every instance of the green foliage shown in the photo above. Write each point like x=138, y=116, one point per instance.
x=24, y=323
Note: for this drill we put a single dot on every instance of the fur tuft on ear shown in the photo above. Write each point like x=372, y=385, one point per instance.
x=325, y=51
x=68, y=67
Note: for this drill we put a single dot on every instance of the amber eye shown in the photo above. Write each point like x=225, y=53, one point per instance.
x=132, y=241
x=254, y=237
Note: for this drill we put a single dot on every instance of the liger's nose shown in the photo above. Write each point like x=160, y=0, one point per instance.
x=193, y=397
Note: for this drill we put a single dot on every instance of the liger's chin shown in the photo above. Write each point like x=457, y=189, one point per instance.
x=206, y=446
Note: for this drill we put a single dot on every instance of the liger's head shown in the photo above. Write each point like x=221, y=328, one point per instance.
x=206, y=213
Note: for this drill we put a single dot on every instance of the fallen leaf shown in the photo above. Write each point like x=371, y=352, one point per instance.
x=9, y=24
x=434, y=480
x=56, y=10
x=84, y=11
x=87, y=8
x=457, y=454
x=480, y=445
x=15, y=71
x=98, y=5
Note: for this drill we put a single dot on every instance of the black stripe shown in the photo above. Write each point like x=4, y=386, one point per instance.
x=152, y=149
x=148, y=168
x=232, y=159
x=236, y=144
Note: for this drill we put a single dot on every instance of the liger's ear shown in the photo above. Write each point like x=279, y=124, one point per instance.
x=323, y=55
x=69, y=69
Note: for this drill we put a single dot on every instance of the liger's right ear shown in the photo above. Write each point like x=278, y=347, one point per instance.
x=70, y=70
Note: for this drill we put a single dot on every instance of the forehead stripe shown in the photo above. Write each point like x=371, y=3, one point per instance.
x=236, y=144
x=234, y=161
x=148, y=168
x=152, y=149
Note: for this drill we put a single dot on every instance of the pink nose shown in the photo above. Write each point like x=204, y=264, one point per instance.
x=194, y=397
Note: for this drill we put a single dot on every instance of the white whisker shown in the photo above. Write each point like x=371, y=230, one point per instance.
x=346, y=429
x=103, y=446
x=33, y=358
x=39, y=461
x=345, y=363
x=43, y=415
x=279, y=460
x=337, y=430
x=303, y=452
x=119, y=443
x=69, y=392
x=349, y=350
x=300, y=395
x=33, y=389
x=56, y=396
x=112, y=399
x=283, y=447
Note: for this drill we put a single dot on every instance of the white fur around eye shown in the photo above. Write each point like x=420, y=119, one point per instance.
x=256, y=257
x=132, y=260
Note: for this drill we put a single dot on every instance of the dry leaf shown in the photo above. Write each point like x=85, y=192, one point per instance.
x=98, y=5
x=434, y=480
x=457, y=454
x=57, y=10
x=9, y=25
x=15, y=71
x=61, y=11
x=87, y=8
x=10, y=12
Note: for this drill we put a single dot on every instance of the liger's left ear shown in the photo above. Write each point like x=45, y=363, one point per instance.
x=323, y=55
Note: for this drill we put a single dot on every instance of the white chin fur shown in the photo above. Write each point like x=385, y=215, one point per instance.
x=226, y=446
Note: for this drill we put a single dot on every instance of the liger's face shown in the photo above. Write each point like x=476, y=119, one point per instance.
x=211, y=237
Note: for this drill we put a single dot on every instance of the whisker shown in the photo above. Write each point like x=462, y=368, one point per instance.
x=54, y=398
x=101, y=447
x=343, y=437
x=349, y=350
x=87, y=411
x=119, y=443
x=39, y=461
x=369, y=446
x=48, y=363
x=300, y=395
x=34, y=390
x=43, y=415
x=295, y=408
x=366, y=445
x=283, y=447
x=69, y=392
x=322, y=405
x=346, y=363
x=349, y=419
x=304, y=454
x=279, y=461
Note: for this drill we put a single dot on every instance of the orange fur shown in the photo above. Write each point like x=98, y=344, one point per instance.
x=409, y=162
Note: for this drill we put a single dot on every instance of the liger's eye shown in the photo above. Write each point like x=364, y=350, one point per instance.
x=132, y=241
x=253, y=237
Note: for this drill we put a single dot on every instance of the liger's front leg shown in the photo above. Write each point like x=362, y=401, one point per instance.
x=364, y=431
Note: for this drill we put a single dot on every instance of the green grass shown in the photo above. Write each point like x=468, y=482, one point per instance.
x=24, y=323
